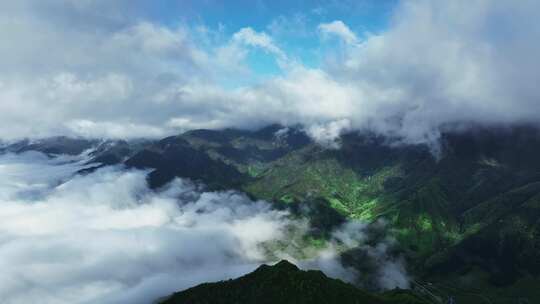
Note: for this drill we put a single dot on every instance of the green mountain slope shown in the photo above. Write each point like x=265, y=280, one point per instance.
x=284, y=283
x=220, y=159
x=470, y=215
x=478, y=194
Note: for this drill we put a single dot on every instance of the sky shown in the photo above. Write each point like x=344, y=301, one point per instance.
x=406, y=69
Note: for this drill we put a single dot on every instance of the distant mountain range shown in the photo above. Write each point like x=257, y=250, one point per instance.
x=469, y=218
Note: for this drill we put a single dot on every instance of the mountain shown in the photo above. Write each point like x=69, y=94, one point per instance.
x=284, y=283
x=221, y=159
x=467, y=216
x=174, y=156
x=50, y=146
x=483, y=188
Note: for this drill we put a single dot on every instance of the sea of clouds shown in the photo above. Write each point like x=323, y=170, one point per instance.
x=105, y=237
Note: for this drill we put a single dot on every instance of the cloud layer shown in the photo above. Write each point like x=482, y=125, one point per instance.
x=69, y=69
x=339, y=29
x=104, y=237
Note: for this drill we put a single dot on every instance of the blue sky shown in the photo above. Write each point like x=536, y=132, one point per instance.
x=292, y=24
x=360, y=14
x=140, y=68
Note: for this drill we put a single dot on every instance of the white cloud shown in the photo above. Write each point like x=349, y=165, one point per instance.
x=328, y=134
x=380, y=269
x=339, y=29
x=436, y=65
x=252, y=38
x=104, y=237
x=119, y=130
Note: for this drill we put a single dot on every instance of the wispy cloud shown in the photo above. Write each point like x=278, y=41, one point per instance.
x=261, y=40
x=339, y=29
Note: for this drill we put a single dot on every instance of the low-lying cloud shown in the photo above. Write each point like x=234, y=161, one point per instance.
x=361, y=254
x=104, y=237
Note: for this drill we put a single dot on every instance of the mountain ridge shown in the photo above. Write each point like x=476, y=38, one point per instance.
x=471, y=215
x=285, y=283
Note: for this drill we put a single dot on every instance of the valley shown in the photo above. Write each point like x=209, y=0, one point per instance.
x=467, y=217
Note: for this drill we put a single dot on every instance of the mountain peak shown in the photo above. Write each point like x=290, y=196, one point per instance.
x=286, y=265
x=287, y=284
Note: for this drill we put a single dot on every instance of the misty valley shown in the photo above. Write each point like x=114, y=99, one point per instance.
x=135, y=221
x=269, y=152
